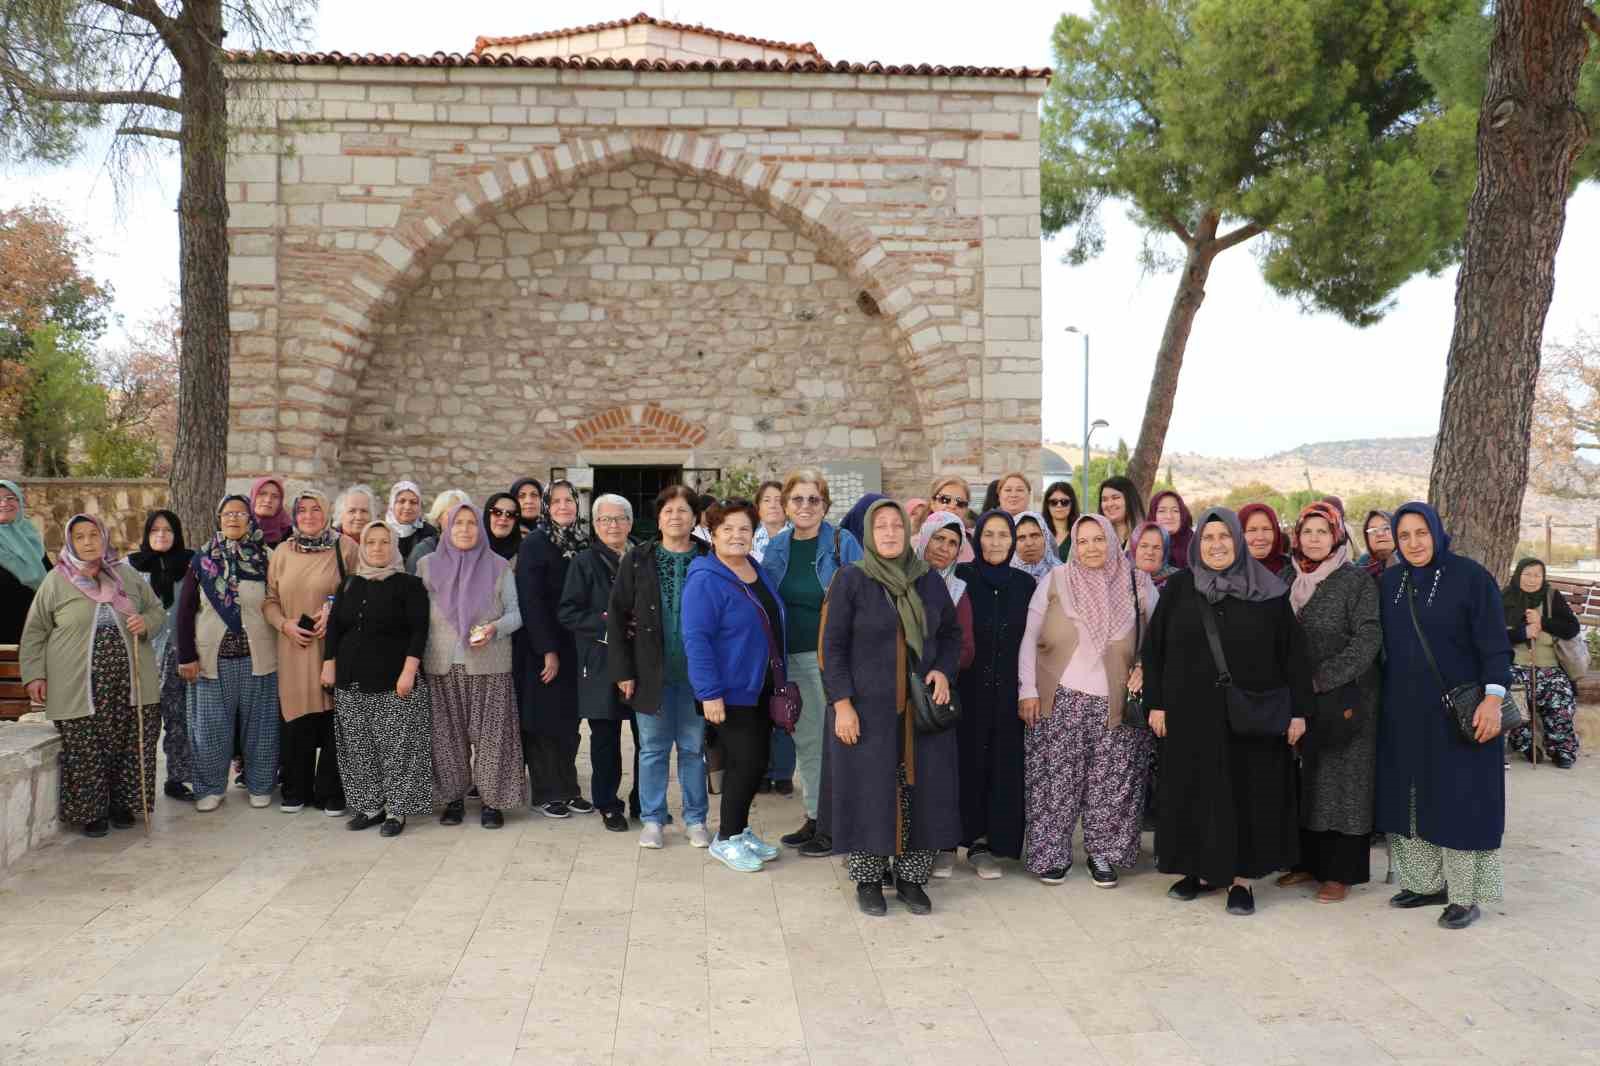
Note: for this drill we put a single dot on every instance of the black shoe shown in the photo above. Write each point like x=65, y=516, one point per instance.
x=364, y=821
x=452, y=813
x=1103, y=873
x=555, y=809
x=97, y=828
x=614, y=821
x=1562, y=760
x=1407, y=900
x=803, y=835
x=579, y=805
x=913, y=896
x=490, y=818
x=122, y=818
x=818, y=847
x=888, y=877
x=783, y=788
x=1456, y=916
x=1241, y=901
x=179, y=791
x=765, y=786
x=1056, y=876
x=393, y=827
x=472, y=793
x=869, y=897
x=1189, y=888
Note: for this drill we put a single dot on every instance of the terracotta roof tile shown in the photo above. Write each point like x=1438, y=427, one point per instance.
x=642, y=19
x=455, y=59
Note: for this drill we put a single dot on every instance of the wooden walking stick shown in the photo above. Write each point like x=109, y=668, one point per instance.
x=138, y=710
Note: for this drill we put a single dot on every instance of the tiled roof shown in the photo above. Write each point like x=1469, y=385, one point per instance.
x=642, y=19
x=455, y=59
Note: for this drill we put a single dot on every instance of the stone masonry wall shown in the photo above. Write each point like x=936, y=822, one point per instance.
x=350, y=185
x=637, y=280
x=121, y=505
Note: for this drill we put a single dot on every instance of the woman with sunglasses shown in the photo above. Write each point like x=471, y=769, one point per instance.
x=1061, y=514
x=500, y=515
x=950, y=492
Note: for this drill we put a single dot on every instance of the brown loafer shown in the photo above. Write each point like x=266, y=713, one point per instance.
x=1294, y=877
x=1332, y=892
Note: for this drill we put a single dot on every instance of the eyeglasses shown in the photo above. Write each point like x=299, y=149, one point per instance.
x=612, y=520
x=234, y=516
x=805, y=501
x=950, y=501
x=1060, y=501
x=501, y=512
x=1373, y=531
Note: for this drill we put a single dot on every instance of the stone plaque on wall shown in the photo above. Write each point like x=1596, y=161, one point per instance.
x=848, y=482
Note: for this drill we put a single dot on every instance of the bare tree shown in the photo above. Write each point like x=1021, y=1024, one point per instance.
x=153, y=73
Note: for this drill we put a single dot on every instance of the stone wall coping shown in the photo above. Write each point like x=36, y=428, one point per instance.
x=96, y=482
x=26, y=745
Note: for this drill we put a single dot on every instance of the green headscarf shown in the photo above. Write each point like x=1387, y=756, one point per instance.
x=1518, y=601
x=898, y=577
x=21, y=549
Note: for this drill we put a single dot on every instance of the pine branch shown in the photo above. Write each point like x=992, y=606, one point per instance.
x=149, y=131
x=1239, y=236
x=1177, y=227
x=132, y=97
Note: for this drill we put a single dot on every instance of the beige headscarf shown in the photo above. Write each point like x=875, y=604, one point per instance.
x=372, y=572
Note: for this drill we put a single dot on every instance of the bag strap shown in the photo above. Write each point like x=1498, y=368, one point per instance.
x=1416, y=623
x=900, y=669
x=1208, y=619
x=1133, y=579
x=774, y=659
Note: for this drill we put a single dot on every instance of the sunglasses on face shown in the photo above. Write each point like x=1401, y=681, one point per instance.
x=501, y=512
x=950, y=501
x=805, y=501
x=1060, y=502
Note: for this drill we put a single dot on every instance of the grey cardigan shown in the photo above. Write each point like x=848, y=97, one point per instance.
x=444, y=644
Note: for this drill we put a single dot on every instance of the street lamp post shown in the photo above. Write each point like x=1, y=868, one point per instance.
x=1083, y=473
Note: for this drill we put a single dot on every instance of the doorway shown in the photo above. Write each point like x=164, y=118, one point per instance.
x=639, y=486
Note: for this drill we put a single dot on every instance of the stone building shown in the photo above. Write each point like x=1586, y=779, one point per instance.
x=637, y=248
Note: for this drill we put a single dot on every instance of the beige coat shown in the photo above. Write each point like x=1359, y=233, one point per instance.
x=300, y=583
x=209, y=629
x=1058, y=640
x=59, y=635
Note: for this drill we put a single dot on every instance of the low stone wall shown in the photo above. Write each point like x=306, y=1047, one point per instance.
x=121, y=505
x=30, y=783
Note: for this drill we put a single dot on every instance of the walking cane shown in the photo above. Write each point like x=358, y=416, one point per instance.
x=138, y=710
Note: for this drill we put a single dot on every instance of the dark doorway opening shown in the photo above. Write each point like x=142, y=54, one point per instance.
x=639, y=486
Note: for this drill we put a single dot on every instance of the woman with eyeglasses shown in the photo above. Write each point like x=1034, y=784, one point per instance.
x=1061, y=514
x=1120, y=502
x=549, y=694
x=950, y=492
x=228, y=653
x=802, y=562
x=1378, y=534
x=405, y=516
x=23, y=563
x=529, y=494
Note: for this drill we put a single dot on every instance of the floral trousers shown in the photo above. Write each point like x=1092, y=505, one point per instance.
x=1555, y=700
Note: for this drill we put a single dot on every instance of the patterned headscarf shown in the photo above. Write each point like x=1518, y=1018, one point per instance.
x=569, y=539
x=21, y=547
x=322, y=541
x=222, y=564
x=935, y=522
x=1308, y=574
x=367, y=568
x=95, y=580
x=1166, y=569
x=1101, y=597
x=1052, y=554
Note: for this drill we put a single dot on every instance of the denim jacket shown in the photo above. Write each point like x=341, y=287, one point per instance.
x=776, y=560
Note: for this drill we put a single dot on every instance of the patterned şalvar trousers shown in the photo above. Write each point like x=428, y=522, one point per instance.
x=236, y=697
x=175, y=717
x=1556, y=701
x=100, y=753
x=1470, y=876
x=477, y=737
x=1075, y=766
x=385, y=746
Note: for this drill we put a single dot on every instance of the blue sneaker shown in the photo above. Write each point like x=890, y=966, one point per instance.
x=735, y=856
x=758, y=847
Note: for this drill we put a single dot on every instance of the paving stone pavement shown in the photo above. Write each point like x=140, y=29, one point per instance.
x=256, y=938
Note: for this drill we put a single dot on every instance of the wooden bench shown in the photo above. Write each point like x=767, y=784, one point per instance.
x=13, y=697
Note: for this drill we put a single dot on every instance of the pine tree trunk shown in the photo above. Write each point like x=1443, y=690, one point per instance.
x=1186, y=302
x=1529, y=134
x=199, y=461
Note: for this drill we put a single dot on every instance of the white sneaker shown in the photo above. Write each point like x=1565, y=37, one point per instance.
x=259, y=802
x=206, y=804
x=291, y=808
x=944, y=864
x=333, y=812
x=699, y=837
x=985, y=864
x=650, y=836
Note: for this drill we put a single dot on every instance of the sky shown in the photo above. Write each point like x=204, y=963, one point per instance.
x=1259, y=375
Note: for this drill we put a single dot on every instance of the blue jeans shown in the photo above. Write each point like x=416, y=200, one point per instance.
x=675, y=723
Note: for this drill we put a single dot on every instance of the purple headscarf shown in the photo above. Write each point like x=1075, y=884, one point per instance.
x=461, y=582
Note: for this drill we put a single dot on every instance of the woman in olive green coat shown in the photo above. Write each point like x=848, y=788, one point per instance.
x=90, y=626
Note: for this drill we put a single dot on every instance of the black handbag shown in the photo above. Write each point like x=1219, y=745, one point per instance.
x=926, y=715
x=1133, y=709
x=1250, y=713
x=1460, y=703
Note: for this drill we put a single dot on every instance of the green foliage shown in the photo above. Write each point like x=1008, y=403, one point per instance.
x=115, y=452
x=1310, y=119
x=738, y=482
x=61, y=401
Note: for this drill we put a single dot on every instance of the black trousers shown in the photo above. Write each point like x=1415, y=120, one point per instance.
x=605, y=758
x=307, y=776
x=552, y=766
x=1330, y=856
x=743, y=736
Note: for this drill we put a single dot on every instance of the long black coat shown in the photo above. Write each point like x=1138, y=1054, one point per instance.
x=1227, y=804
x=636, y=598
x=990, y=732
x=15, y=599
x=546, y=710
x=859, y=800
x=585, y=601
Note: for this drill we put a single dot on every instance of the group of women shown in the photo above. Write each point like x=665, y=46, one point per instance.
x=980, y=679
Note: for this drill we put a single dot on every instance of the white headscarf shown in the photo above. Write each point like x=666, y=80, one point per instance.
x=404, y=529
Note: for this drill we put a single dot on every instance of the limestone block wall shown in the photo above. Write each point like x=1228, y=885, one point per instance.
x=121, y=505
x=901, y=209
x=30, y=785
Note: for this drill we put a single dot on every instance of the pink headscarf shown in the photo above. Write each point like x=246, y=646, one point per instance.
x=94, y=579
x=463, y=582
x=1102, y=598
x=273, y=529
